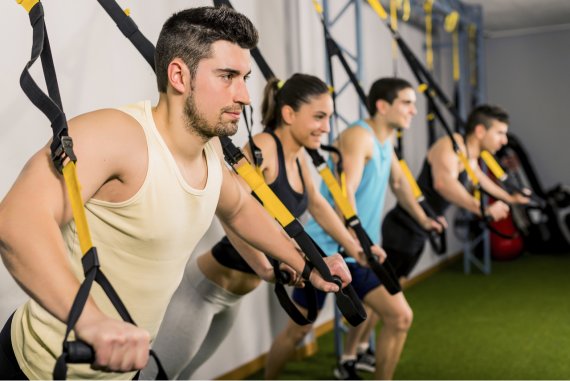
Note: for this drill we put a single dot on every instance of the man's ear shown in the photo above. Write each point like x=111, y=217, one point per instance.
x=480, y=130
x=287, y=114
x=178, y=75
x=382, y=106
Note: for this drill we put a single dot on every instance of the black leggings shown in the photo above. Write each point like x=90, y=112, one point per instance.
x=9, y=368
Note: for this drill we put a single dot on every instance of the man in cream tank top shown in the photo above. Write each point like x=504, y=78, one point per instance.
x=152, y=179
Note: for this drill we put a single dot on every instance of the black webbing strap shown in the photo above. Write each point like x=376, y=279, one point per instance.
x=281, y=277
x=129, y=30
x=233, y=155
x=438, y=240
x=347, y=300
x=50, y=105
x=383, y=271
x=61, y=153
x=423, y=76
x=79, y=352
x=352, y=309
x=349, y=303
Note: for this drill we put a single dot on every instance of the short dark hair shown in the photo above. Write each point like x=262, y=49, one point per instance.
x=189, y=35
x=485, y=114
x=386, y=89
x=294, y=92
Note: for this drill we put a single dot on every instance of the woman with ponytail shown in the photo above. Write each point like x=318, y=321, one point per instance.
x=296, y=115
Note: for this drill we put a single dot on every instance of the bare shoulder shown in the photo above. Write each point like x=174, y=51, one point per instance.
x=268, y=147
x=265, y=142
x=357, y=137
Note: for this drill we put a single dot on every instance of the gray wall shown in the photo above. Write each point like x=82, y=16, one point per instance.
x=528, y=75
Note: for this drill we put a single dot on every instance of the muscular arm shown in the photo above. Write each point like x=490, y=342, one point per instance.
x=31, y=244
x=403, y=192
x=356, y=145
x=254, y=258
x=241, y=213
x=493, y=189
x=327, y=218
x=445, y=173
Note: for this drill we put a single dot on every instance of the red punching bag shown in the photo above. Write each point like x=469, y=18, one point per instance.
x=504, y=249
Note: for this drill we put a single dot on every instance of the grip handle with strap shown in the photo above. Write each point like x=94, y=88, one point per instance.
x=384, y=272
x=64, y=161
x=353, y=309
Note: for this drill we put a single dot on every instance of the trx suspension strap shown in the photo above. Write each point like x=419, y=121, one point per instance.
x=146, y=48
x=347, y=300
x=451, y=25
x=430, y=118
x=438, y=241
x=383, y=271
x=64, y=161
x=281, y=277
x=431, y=89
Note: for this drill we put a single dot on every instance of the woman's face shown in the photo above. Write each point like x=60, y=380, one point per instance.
x=311, y=121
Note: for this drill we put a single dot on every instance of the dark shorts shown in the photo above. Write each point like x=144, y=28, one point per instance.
x=403, y=262
x=403, y=240
x=9, y=368
x=363, y=280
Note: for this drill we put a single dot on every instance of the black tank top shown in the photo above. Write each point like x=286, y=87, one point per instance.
x=297, y=203
x=432, y=197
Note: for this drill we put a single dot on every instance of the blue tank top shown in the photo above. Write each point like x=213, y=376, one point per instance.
x=370, y=195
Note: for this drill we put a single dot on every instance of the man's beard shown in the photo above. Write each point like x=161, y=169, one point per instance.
x=198, y=124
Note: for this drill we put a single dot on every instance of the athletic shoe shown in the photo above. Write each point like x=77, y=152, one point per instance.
x=366, y=361
x=346, y=371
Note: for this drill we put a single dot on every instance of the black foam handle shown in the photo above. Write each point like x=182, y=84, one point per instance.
x=79, y=352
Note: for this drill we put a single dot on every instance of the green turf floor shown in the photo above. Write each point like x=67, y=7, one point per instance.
x=512, y=324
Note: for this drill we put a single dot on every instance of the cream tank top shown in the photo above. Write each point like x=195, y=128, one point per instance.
x=143, y=246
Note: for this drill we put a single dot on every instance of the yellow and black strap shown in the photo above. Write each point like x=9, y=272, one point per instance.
x=64, y=161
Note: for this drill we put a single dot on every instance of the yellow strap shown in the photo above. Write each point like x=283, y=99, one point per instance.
x=27, y=4
x=428, y=7
x=471, y=174
x=493, y=166
x=473, y=53
x=407, y=10
x=343, y=184
x=456, y=71
x=270, y=201
x=408, y=174
x=318, y=7
x=73, y=190
x=422, y=88
x=333, y=186
x=451, y=25
x=378, y=8
x=127, y=11
x=394, y=25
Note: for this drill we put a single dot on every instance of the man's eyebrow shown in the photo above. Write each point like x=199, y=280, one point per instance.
x=231, y=71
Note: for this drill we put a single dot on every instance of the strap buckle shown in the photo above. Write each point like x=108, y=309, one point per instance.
x=63, y=152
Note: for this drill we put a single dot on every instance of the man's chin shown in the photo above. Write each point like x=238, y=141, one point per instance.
x=229, y=129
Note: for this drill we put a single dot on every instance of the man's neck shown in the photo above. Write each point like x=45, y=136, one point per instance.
x=381, y=129
x=473, y=146
x=170, y=121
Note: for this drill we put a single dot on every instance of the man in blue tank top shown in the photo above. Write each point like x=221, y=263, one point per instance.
x=370, y=166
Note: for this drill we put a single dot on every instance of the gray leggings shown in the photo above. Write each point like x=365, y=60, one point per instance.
x=196, y=322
